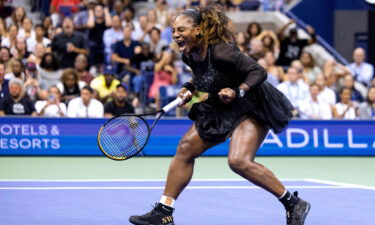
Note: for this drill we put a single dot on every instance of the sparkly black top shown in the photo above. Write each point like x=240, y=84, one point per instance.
x=224, y=66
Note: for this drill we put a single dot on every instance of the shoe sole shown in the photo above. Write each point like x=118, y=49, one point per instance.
x=138, y=222
x=307, y=210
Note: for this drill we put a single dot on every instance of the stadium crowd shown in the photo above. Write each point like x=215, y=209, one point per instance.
x=99, y=58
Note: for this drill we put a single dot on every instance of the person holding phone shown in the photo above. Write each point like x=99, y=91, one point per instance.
x=52, y=107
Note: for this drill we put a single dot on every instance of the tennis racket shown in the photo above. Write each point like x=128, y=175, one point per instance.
x=125, y=135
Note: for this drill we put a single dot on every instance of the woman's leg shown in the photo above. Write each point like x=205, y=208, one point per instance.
x=181, y=168
x=245, y=141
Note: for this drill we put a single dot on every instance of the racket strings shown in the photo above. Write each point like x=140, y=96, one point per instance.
x=123, y=137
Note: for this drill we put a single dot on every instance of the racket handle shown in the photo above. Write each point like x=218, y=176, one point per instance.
x=175, y=103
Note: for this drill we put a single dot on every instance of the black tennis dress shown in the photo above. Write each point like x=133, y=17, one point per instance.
x=226, y=67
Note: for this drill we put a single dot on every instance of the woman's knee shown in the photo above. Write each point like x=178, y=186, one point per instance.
x=240, y=165
x=185, y=150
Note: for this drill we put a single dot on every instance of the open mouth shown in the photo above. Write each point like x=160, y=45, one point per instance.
x=181, y=44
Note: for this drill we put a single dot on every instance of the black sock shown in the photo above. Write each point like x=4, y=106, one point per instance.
x=288, y=200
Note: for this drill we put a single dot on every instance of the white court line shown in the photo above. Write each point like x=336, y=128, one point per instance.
x=133, y=180
x=152, y=188
x=340, y=184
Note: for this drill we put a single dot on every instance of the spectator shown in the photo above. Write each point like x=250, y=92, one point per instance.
x=99, y=20
x=333, y=71
x=68, y=44
x=48, y=27
x=310, y=70
x=16, y=103
x=11, y=38
x=17, y=70
x=81, y=66
x=70, y=85
x=256, y=49
x=3, y=29
x=270, y=41
x=105, y=85
x=6, y=10
x=152, y=19
x=81, y=18
x=242, y=43
x=362, y=72
x=314, y=107
x=345, y=108
x=64, y=7
x=32, y=84
x=161, y=11
x=18, y=15
x=21, y=49
x=5, y=57
x=326, y=94
x=271, y=78
x=166, y=33
x=39, y=38
x=366, y=110
x=85, y=105
x=356, y=96
x=252, y=31
x=4, y=83
x=120, y=103
x=292, y=46
x=156, y=43
x=272, y=68
x=27, y=30
x=127, y=18
x=51, y=107
x=165, y=74
x=111, y=36
x=49, y=71
x=39, y=51
x=141, y=33
x=294, y=89
x=118, y=8
x=124, y=51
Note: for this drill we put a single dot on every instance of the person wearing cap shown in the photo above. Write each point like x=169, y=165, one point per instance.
x=105, y=84
x=291, y=47
x=120, y=103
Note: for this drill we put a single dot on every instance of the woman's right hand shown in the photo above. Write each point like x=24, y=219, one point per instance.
x=185, y=96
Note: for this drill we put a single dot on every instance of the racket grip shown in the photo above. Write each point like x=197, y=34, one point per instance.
x=174, y=103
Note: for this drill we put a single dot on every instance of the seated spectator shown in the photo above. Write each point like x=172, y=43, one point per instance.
x=39, y=51
x=242, y=43
x=18, y=69
x=344, y=109
x=118, y=8
x=270, y=42
x=124, y=51
x=294, y=89
x=16, y=103
x=10, y=38
x=141, y=32
x=291, y=47
x=70, y=85
x=52, y=107
x=252, y=31
x=49, y=71
x=156, y=44
x=21, y=50
x=39, y=38
x=64, y=7
x=68, y=44
x=310, y=70
x=105, y=84
x=326, y=94
x=272, y=79
x=4, y=83
x=164, y=74
x=314, y=108
x=32, y=84
x=333, y=72
x=272, y=68
x=356, y=96
x=26, y=31
x=85, y=105
x=111, y=36
x=80, y=18
x=18, y=15
x=48, y=27
x=81, y=66
x=120, y=103
x=256, y=49
x=166, y=33
x=99, y=20
x=5, y=57
x=152, y=19
x=366, y=110
x=362, y=72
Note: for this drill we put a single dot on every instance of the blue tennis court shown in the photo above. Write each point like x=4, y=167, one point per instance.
x=208, y=201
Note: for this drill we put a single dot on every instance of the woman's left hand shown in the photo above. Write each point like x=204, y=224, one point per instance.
x=227, y=95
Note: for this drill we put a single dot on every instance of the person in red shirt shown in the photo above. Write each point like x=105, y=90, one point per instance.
x=64, y=6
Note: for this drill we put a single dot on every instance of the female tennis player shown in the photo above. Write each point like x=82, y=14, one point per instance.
x=241, y=105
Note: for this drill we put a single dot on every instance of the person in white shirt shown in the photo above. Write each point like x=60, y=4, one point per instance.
x=51, y=107
x=345, y=108
x=314, y=108
x=326, y=94
x=294, y=89
x=362, y=72
x=111, y=36
x=85, y=105
x=39, y=38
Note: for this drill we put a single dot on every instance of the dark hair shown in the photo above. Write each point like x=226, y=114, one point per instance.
x=249, y=28
x=39, y=26
x=343, y=89
x=55, y=62
x=88, y=88
x=311, y=64
x=155, y=29
x=368, y=94
x=215, y=25
x=5, y=47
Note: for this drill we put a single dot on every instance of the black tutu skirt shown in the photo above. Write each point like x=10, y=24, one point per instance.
x=215, y=121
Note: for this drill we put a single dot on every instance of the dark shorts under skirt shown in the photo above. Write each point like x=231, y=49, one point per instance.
x=216, y=121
